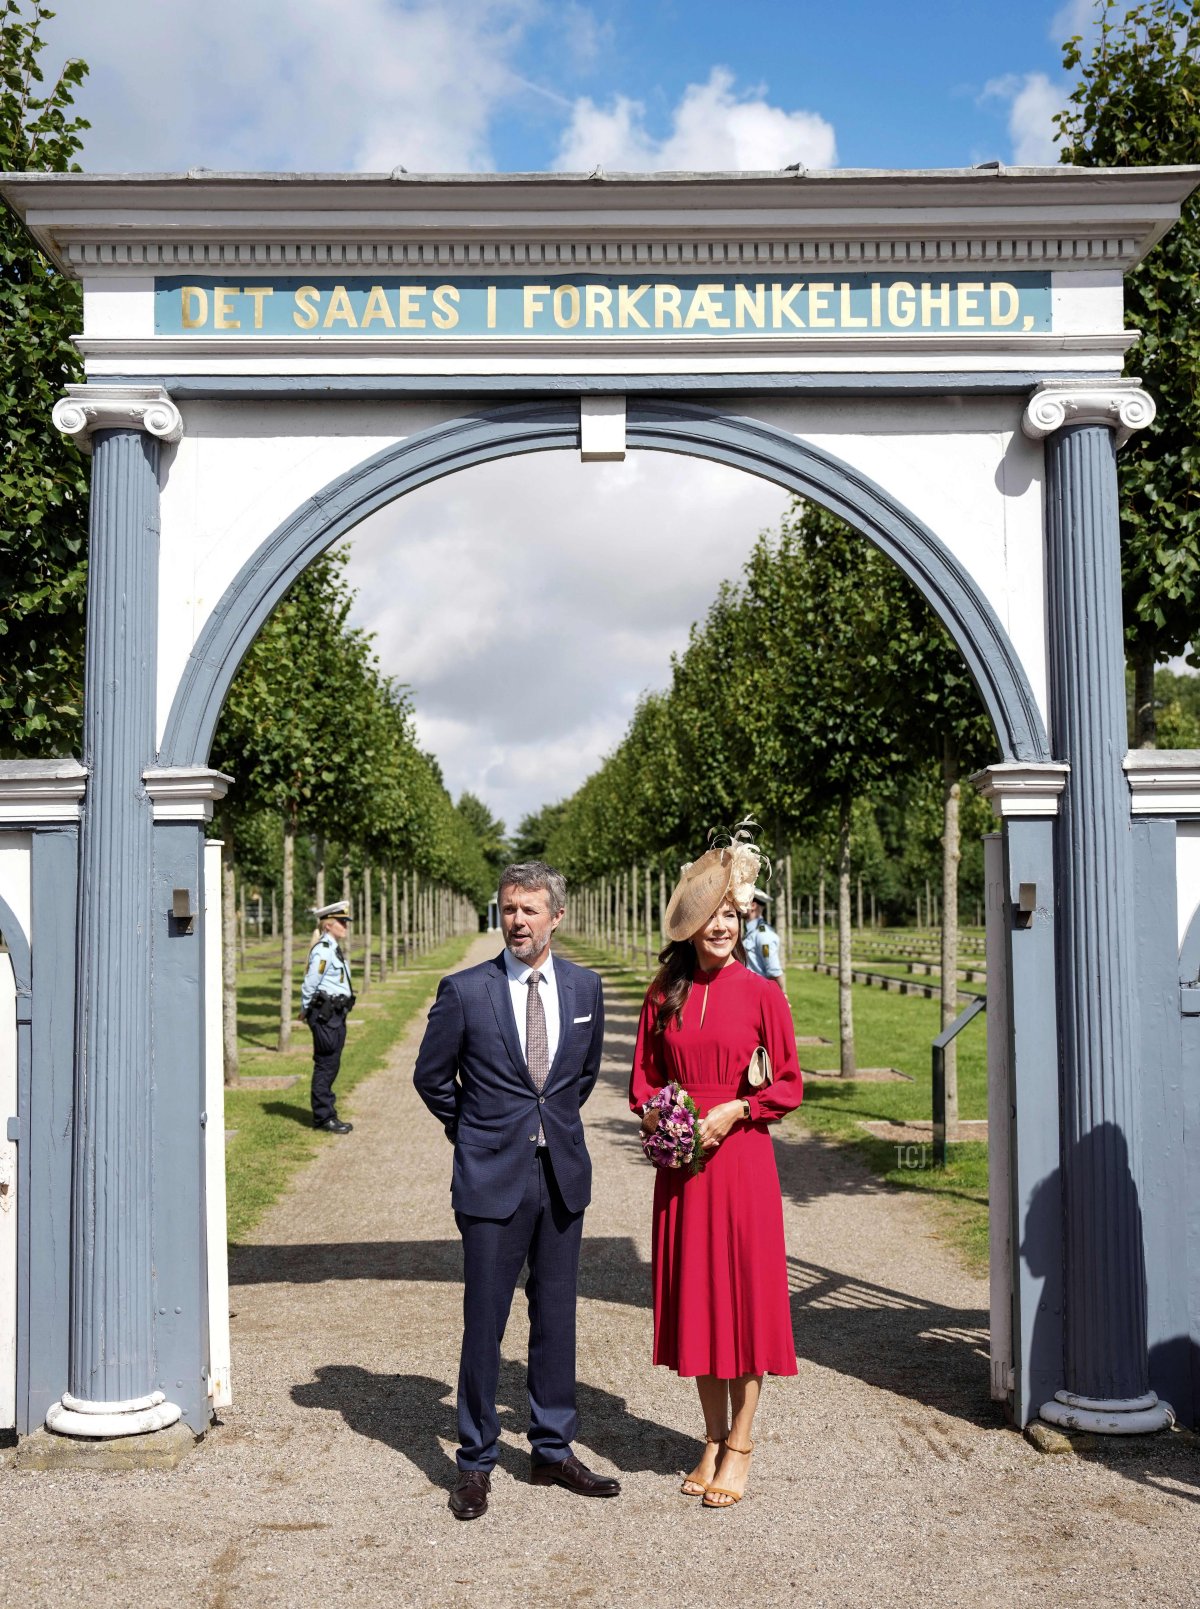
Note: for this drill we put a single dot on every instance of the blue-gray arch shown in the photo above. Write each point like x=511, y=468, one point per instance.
x=17, y=941
x=658, y=426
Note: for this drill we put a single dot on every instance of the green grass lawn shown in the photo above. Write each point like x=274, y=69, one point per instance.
x=273, y=1133
x=891, y=1030
x=894, y=1030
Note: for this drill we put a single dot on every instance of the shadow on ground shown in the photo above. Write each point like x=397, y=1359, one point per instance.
x=610, y=1269
x=414, y=1415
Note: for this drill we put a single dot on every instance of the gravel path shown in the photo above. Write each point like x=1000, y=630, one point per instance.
x=882, y=1472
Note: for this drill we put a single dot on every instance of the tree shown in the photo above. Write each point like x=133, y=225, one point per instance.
x=43, y=476
x=1137, y=103
x=487, y=831
x=300, y=729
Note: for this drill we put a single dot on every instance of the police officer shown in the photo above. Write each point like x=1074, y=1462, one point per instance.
x=762, y=942
x=325, y=998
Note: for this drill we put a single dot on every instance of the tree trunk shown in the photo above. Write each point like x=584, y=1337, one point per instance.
x=1145, y=721
x=241, y=921
x=319, y=860
x=395, y=921
x=383, y=926
x=845, y=998
x=858, y=923
x=365, y=970
x=229, y=958
x=951, y=855
x=821, y=918
x=285, y=981
x=274, y=912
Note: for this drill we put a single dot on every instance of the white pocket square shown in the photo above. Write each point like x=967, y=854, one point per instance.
x=588, y=1018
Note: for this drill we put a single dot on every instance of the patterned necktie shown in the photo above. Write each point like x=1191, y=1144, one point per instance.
x=537, y=1045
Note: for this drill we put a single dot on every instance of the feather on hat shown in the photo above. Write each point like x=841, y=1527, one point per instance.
x=727, y=871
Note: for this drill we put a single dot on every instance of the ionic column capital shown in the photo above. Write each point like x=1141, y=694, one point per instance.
x=1122, y=405
x=88, y=408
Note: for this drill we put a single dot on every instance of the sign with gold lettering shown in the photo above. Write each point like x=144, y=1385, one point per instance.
x=598, y=306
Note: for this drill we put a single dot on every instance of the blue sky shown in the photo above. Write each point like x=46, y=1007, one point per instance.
x=537, y=84
x=529, y=84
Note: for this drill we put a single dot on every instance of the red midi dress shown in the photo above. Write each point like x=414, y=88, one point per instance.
x=719, y=1266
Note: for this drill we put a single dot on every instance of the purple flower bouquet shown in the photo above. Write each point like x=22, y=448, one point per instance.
x=675, y=1143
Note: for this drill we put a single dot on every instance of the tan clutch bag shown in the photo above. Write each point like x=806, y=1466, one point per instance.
x=759, y=1071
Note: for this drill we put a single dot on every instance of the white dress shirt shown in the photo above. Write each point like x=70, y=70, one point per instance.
x=518, y=991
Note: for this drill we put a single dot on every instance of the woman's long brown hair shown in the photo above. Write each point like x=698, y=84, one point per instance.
x=673, y=980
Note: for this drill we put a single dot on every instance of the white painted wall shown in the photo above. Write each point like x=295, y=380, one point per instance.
x=8, y=1197
x=15, y=853
x=1187, y=872
x=16, y=848
x=961, y=465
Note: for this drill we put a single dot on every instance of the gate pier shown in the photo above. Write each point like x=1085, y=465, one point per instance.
x=1107, y=1383
x=111, y=1369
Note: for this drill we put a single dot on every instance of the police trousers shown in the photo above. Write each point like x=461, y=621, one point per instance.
x=328, y=1040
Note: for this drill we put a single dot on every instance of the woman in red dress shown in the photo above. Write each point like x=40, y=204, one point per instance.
x=721, y=1307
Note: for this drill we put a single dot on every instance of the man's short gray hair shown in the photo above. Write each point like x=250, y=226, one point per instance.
x=535, y=874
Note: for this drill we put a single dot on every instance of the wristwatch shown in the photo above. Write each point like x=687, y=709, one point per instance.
x=746, y=1108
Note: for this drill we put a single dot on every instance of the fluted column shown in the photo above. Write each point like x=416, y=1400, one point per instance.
x=1106, y=1383
x=111, y=1365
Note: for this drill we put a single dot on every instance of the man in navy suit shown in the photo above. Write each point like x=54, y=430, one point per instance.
x=511, y=1052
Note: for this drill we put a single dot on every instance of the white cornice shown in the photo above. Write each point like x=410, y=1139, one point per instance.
x=1164, y=782
x=185, y=792
x=1009, y=218
x=89, y=253
x=1017, y=788
x=40, y=791
x=1032, y=346
x=1122, y=405
x=88, y=408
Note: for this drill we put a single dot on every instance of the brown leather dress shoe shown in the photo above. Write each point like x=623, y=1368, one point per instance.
x=469, y=1499
x=576, y=1477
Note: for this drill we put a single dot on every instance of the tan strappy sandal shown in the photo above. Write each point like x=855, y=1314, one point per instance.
x=694, y=1488
x=723, y=1491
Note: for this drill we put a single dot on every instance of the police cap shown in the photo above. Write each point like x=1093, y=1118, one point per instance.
x=339, y=910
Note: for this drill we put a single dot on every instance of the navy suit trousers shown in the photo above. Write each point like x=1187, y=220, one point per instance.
x=545, y=1234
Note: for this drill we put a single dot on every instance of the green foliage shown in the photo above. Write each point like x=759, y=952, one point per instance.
x=819, y=678
x=43, y=477
x=1137, y=103
x=314, y=732
x=487, y=832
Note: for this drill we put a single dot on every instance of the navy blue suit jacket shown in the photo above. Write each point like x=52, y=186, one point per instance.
x=472, y=1076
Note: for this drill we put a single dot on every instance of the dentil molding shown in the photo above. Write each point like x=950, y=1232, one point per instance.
x=88, y=408
x=1122, y=405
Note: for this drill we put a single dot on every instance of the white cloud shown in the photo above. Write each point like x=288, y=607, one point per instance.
x=1033, y=99
x=362, y=85
x=712, y=128
x=1082, y=18
x=530, y=602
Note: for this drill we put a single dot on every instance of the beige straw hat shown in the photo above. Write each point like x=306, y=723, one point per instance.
x=727, y=871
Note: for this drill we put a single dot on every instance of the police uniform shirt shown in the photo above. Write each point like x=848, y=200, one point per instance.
x=762, y=950
x=327, y=972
